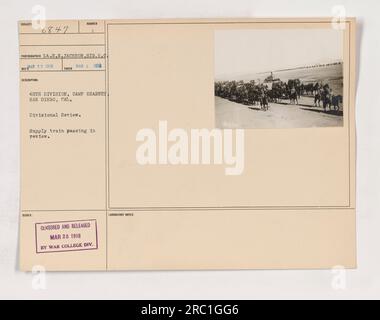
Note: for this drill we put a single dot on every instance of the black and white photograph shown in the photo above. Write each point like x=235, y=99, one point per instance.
x=279, y=78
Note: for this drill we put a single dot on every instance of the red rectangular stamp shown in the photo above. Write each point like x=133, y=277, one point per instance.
x=65, y=236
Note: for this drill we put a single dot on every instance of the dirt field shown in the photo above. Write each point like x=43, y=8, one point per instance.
x=234, y=115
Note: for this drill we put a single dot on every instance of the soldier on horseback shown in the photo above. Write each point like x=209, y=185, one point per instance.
x=326, y=97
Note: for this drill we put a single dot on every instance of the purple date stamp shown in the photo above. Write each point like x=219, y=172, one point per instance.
x=66, y=236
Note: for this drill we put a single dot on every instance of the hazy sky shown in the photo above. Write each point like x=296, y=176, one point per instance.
x=239, y=52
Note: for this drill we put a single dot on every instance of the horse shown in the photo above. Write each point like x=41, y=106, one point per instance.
x=293, y=97
x=264, y=102
x=253, y=95
x=326, y=100
x=335, y=100
x=318, y=99
x=308, y=88
x=317, y=87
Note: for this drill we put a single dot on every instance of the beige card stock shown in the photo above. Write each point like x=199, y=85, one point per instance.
x=187, y=144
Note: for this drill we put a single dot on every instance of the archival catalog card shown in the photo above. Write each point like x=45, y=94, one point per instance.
x=187, y=144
